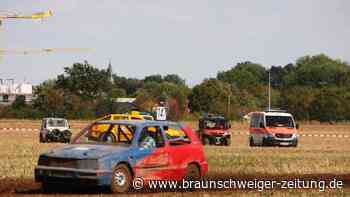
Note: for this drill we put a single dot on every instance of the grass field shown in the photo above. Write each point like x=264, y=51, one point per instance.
x=314, y=158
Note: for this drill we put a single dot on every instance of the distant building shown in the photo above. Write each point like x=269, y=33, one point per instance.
x=9, y=91
x=125, y=100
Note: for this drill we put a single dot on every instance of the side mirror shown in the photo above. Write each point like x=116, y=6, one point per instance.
x=297, y=126
x=261, y=125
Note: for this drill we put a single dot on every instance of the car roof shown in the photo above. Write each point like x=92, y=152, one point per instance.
x=54, y=118
x=136, y=122
x=213, y=118
x=272, y=113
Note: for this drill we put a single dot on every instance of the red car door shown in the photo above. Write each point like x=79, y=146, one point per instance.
x=153, y=162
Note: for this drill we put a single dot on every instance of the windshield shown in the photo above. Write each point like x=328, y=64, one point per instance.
x=214, y=124
x=279, y=121
x=56, y=123
x=106, y=133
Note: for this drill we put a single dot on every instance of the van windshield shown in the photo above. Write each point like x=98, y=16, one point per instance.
x=279, y=121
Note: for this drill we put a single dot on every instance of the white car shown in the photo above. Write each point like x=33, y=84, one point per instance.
x=55, y=130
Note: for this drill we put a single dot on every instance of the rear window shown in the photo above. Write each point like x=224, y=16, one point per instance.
x=107, y=133
x=174, y=131
x=120, y=117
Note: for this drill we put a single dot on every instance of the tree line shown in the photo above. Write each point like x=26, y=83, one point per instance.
x=313, y=88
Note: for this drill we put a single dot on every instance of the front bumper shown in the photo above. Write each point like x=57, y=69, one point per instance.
x=218, y=139
x=273, y=141
x=72, y=176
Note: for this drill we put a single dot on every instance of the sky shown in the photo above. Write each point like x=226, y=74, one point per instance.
x=192, y=38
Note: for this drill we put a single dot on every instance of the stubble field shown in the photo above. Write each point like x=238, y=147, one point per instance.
x=323, y=154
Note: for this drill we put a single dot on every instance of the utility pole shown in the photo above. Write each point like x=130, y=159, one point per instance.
x=228, y=104
x=269, y=89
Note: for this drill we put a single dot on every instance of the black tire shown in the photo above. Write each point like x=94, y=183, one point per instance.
x=206, y=141
x=41, y=138
x=228, y=141
x=295, y=144
x=107, y=137
x=193, y=172
x=121, y=179
x=67, y=136
x=251, y=142
x=47, y=187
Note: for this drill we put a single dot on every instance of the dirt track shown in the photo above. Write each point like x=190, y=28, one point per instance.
x=315, y=159
x=29, y=187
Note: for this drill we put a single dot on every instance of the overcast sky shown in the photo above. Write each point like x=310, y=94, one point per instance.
x=192, y=38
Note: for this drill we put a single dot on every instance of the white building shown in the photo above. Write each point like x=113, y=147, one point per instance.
x=9, y=91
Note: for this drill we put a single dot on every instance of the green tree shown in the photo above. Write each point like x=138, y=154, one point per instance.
x=245, y=75
x=211, y=96
x=49, y=100
x=85, y=80
x=173, y=78
x=318, y=71
x=153, y=78
x=130, y=85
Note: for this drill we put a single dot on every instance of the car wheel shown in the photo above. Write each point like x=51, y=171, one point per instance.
x=47, y=187
x=107, y=137
x=251, y=142
x=228, y=141
x=206, y=141
x=41, y=140
x=192, y=172
x=121, y=179
x=66, y=136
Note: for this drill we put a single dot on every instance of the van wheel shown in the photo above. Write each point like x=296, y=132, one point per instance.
x=107, y=137
x=251, y=142
x=192, y=172
x=121, y=179
x=295, y=144
x=227, y=141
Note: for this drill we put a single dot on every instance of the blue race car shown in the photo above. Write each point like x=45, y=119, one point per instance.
x=134, y=149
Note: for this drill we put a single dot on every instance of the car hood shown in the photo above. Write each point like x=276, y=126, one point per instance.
x=215, y=131
x=85, y=151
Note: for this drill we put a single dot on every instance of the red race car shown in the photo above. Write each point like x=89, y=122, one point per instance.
x=214, y=130
x=151, y=150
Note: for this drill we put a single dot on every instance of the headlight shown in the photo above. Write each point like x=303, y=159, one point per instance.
x=295, y=135
x=43, y=161
x=269, y=135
